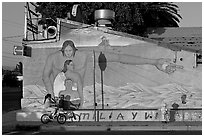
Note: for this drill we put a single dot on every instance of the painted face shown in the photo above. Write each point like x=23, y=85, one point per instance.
x=68, y=51
x=70, y=66
x=68, y=83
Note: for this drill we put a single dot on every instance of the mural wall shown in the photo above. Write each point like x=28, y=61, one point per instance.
x=124, y=85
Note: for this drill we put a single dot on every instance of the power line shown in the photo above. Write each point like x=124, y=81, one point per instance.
x=6, y=52
x=10, y=60
x=8, y=44
x=11, y=57
x=13, y=36
x=7, y=60
x=17, y=27
x=12, y=22
x=14, y=25
x=8, y=37
x=11, y=41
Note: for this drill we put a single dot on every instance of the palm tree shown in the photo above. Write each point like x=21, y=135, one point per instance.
x=130, y=17
x=155, y=14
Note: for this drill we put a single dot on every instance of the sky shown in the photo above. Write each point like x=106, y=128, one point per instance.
x=13, y=26
x=191, y=13
x=12, y=31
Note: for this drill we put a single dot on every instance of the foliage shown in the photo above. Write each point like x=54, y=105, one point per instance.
x=10, y=80
x=10, y=77
x=130, y=17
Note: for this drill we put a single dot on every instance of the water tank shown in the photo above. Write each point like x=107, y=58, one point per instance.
x=104, y=14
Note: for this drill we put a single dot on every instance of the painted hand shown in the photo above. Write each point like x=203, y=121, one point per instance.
x=166, y=66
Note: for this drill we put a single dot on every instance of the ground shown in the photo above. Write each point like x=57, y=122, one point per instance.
x=11, y=104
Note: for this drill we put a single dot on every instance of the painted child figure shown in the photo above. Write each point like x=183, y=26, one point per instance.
x=68, y=83
x=69, y=90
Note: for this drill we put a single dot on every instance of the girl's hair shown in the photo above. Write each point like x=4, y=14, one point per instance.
x=68, y=43
x=67, y=62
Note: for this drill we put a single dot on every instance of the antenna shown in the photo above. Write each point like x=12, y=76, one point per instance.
x=31, y=26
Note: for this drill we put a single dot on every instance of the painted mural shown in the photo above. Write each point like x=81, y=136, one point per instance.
x=125, y=85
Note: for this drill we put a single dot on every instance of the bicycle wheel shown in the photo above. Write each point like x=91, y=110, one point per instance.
x=45, y=118
x=61, y=118
x=76, y=117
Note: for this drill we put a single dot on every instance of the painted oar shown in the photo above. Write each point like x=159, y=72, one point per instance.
x=94, y=84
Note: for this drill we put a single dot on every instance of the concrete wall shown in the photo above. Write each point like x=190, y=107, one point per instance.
x=125, y=86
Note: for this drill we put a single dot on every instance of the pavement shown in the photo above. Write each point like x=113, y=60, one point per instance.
x=123, y=126
x=9, y=124
x=9, y=121
x=11, y=105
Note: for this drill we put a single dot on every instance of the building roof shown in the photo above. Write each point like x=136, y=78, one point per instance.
x=82, y=32
x=188, y=38
x=76, y=25
x=175, y=32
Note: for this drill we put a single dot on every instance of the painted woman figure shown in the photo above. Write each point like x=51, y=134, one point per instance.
x=68, y=83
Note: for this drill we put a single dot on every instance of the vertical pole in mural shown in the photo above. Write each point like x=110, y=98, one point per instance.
x=102, y=90
x=94, y=84
x=102, y=62
x=25, y=27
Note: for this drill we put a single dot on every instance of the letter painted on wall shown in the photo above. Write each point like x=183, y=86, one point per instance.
x=137, y=115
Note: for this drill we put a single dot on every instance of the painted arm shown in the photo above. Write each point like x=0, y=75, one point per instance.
x=46, y=76
x=83, y=62
x=137, y=60
x=73, y=104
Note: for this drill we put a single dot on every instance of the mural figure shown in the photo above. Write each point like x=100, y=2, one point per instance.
x=104, y=44
x=68, y=90
x=55, y=65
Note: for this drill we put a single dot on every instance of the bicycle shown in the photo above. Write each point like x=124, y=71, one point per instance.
x=67, y=115
x=61, y=115
x=46, y=118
